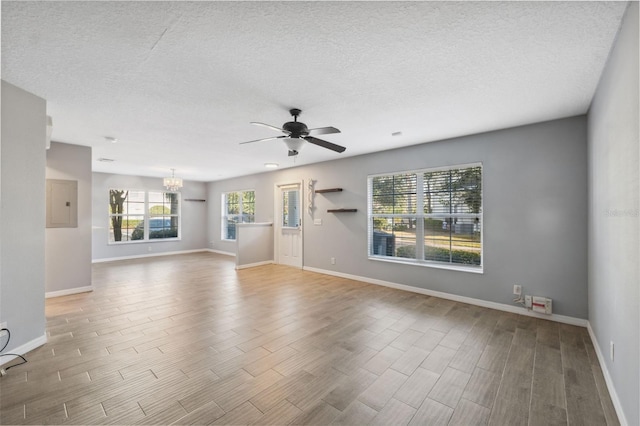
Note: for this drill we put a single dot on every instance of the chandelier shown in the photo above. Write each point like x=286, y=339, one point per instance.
x=173, y=183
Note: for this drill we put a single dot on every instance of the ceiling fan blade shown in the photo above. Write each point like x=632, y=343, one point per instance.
x=264, y=139
x=325, y=144
x=277, y=129
x=323, y=131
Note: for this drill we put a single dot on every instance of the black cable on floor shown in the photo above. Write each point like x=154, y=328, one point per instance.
x=3, y=371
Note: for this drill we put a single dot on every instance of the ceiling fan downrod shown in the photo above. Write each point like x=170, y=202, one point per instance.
x=295, y=112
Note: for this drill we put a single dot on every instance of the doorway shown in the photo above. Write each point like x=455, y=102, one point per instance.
x=288, y=229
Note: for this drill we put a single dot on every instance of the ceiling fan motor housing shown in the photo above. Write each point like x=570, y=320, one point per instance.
x=296, y=128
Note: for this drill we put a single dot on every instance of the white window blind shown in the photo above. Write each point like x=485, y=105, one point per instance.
x=429, y=216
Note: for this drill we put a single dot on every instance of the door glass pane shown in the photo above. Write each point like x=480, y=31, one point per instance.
x=290, y=210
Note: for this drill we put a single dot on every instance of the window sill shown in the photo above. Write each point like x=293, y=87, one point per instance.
x=155, y=240
x=405, y=261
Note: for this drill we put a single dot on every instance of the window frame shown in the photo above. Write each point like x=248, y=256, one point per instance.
x=146, y=217
x=224, y=216
x=419, y=218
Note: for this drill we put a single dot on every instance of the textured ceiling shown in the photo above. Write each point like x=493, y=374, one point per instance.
x=178, y=82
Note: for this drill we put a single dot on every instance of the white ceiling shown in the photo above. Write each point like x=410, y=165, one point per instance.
x=178, y=82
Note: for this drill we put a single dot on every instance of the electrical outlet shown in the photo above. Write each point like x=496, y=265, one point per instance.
x=333, y=260
x=517, y=290
x=527, y=302
x=611, y=350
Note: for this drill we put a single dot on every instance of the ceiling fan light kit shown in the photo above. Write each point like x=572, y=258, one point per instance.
x=297, y=133
x=294, y=145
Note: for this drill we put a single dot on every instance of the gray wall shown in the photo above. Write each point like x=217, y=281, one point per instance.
x=193, y=221
x=68, y=250
x=22, y=215
x=535, y=220
x=614, y=204
x=254, y=243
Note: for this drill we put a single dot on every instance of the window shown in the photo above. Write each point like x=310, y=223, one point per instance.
x=431, y=217
x=163, y=215
x=290, y=203
x=143, y=215
x=237, y=207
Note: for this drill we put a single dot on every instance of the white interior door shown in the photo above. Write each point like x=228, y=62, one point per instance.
x=289, y=224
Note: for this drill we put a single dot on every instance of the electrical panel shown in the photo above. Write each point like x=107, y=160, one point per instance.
x=62, y=203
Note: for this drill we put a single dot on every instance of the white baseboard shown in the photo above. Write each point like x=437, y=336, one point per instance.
x=252, y=265
x=23, y=349
x=141, y=256
x=463, y=299
x=226, y=253
x=607, y=378
x=68, y=291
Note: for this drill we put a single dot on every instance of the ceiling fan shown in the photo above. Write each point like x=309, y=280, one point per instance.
x=296, y=133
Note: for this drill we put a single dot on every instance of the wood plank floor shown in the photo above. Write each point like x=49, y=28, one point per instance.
x=189, y=340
